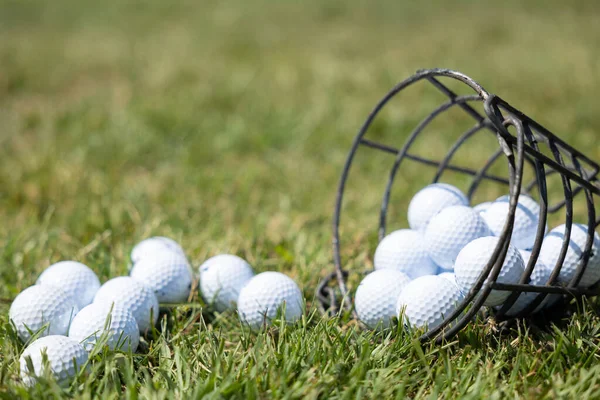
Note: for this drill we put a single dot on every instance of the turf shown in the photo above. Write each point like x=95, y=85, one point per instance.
x=225, y=125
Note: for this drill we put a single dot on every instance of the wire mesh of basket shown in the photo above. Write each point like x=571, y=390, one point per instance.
x=522, y=143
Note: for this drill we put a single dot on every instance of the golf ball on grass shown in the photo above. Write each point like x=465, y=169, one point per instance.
x=263, y=298
x=450, y=230
x=167, y=274
x=404, y=250
x=41, y=305
x=525, y=223
x=114, y=321
x=376, y=297
x=155, y=245
x=222, y=278
x=431, y=200
x=133, y=296
x=473, y=259
x=55, y=355
x=551, y=248
x=74, y=278
x=426, y=301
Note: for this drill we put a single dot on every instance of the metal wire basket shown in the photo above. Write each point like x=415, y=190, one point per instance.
x=520, y=140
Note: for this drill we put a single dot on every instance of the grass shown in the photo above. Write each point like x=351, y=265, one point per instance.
x=225, y=126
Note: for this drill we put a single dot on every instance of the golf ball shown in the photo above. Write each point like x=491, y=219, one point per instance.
x=114, y=321
x=525, y=224
x=473, y=259
x=65, y=357
x=450, y=230
x=427, y=300
x=133, y=296
x=539, y=276
x=167, y=274
x=74, y=278
x=551, y=248
x=376, y=297
x=431, y=200
x=39, y=305
x=155, y=245
x=264, y=296
x=222, y=278
x=404, y=250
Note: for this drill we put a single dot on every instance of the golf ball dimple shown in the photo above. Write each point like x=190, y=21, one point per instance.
x=39, y=305
x=473, y=259
x=481, y=207
x=114, y=321
x=427, y=301
x=222, y=277
x=74, y=278
x=264, y=296
x=376, y=297
x=449, y=276
x=167, y=274
x=551, y=248
x=450, y=230
x=155, y=245
x=65, y=357
x=539, y=276
x=133, y=296
x=404, y=250
x=525, y=223
x=431, y=200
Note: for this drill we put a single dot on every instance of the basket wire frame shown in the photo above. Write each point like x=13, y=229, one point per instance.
x=577, y=174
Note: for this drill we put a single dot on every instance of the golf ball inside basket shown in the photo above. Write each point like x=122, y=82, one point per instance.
x=431, y=200
x=404, y=250
x=450, y=230
x=376, y=297
x=74, y=278
x=222, y=278
x=65, y=357
x=473, y=259
x=114, y=321
x=265, y=295
x=427, y=300
x=133, y=296
x=551, y=248
x=39, y=305
x=539, y=277
x=168, y=274
x=155, y=245
x=525, y=223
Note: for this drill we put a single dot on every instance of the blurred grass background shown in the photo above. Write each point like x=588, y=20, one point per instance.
x=225, y=124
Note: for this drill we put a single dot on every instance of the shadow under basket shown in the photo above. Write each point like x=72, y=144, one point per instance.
x=523, y=144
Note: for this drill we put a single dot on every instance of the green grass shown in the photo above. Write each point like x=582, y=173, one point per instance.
x=225, y=126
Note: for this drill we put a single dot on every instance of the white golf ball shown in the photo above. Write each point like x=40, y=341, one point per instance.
x=65, y=357
x=222, y=278
x=525, y=223
x=376, y=297
x=264, y=296
x=155, y=245
x=551, y=248
x=539, y=277
x=39, y=305
x=427, y=300
x=74, y=278
x=167, y=274
x=431, y=200
x=114, y=321
x=481, y=207
x=404, y=250
x=450, y=230
x=133, y=296
x=473, y=259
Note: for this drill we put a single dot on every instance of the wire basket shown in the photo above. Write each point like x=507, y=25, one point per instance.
x=522, y=142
